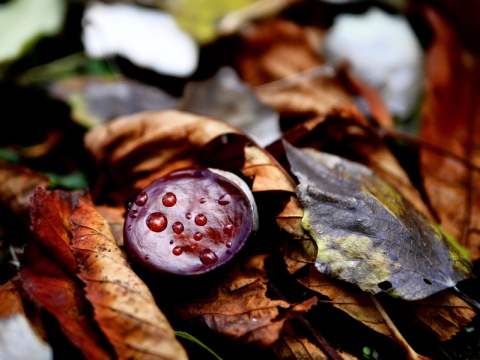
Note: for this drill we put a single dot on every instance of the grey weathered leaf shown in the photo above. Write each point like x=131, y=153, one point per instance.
x=368, y=234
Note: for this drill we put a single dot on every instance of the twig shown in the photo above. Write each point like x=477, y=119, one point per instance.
x=412, y=354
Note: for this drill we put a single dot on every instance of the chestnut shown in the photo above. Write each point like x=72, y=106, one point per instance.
x=190, y=221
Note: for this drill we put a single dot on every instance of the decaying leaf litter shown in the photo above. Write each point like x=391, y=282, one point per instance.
x=66, y=272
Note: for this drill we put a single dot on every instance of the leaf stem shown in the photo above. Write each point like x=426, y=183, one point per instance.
x=412, y=354
x=473, y=303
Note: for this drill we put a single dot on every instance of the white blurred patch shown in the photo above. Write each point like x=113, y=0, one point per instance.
x=149, y=38
x=384, y=51
x=18, y=341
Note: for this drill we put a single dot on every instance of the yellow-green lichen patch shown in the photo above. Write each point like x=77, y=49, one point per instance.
x=352, y=257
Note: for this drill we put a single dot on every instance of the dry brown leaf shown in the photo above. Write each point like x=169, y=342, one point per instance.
x=135, y=150
x=49, y=213
x=17, y=184
x=123, y=305
x=115, y=217
x=50, y=287
x=238, y=306
x=291, y=347
x=451, y=122
x=278, y=58
x=444, y=313
x=351, y=300
x=10, y=299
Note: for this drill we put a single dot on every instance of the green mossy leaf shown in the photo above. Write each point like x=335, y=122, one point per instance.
x=368, y=234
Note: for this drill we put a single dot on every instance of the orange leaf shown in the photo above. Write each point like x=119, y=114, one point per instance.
x=123, y=306
x=61, y=296
x=451, y=122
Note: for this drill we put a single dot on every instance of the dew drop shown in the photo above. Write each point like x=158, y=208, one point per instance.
x=156, y=222
x=188, y=216
x=177, y=227
x=147, y=257
x=198, y=236
x=133, y=214
x=129, y=228
x=225, y=199
x=208, y=257
x=202, y=200
x=177, y=251
x=228, y=244
x=171, y=242
x=227, y=229
x=141, y=199
x=169, y=199
x=200, y=219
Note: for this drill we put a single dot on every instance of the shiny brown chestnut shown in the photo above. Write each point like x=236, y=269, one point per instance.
x=190, y=221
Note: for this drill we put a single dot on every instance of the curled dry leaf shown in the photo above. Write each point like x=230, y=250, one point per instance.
x=17, y=184
x=451, y=122
x=238, y=307
x=133, y=151
x=123, y=306
x=289, y=73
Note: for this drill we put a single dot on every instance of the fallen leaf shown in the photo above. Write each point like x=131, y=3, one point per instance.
x=451, y=123
x=123, y=305
x=115, y=216
x=17, y=184
x=343, y=133
x=10, y=299
x=61, y=296
x=49, y=211
x=97, y=99
x=133, y=151
x=368, y=234
x=288, y=73
x=238, y=306
x=352, y=301
x=224, y=96
x=443, y=313
x=291, y=347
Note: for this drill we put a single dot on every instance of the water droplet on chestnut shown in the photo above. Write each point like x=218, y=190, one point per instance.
x=200, y=220
x=133, y=214
x=177, y=251
x=169, y=199
x=228, y=244
x=202, y=201
x=177, y=227
x=156, y=222
x=141, y=199
x=198, y=236
x=188, y=216
x=227, y=229
x=208, y=257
